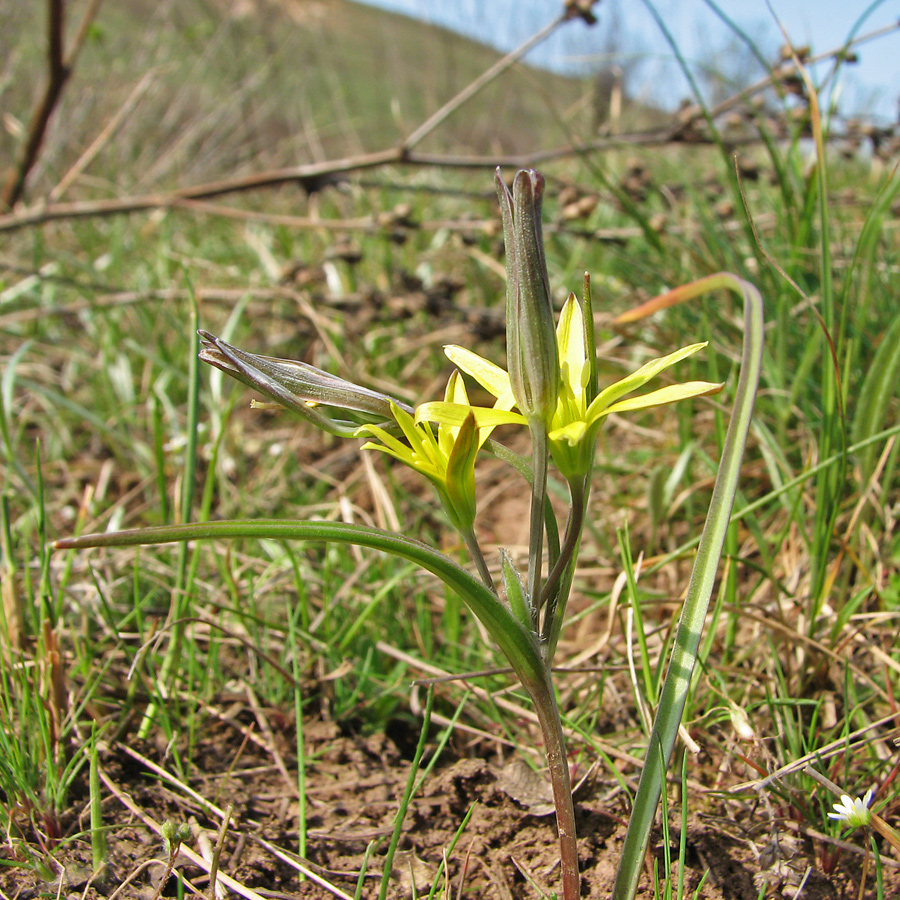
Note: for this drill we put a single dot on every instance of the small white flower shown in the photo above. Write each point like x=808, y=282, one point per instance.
x=854, y=812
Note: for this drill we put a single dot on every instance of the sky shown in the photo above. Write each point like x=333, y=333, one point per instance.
x=869, y=87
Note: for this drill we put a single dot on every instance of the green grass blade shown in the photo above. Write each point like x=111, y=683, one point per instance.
x=687, y=640
x=511, y=636
x=407, y=796
x=300, y=743
x=99, y=850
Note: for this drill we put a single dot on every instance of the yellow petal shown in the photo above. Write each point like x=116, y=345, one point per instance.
x=670, y=394
x=455, y=414
x=391, y=444
x=639, y=378
x=571, y=433
x=456, y=390
x=491, y=377
x=570, y=337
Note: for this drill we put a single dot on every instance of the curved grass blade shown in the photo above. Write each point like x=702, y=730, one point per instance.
x=687, y=640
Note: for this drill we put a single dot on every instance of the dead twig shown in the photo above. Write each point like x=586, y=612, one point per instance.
x=60, y=65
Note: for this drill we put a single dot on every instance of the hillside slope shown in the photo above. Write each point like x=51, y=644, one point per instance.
x=236, y=84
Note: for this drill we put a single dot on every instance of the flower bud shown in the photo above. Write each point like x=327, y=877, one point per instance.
x=530, y=334
x=331, y=403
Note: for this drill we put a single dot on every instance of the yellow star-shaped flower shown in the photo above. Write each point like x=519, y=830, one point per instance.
x=576, y=421
x=446, y=459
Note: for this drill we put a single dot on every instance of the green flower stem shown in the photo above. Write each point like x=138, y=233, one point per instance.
x=562, y=595
x=513, y=638
x=540, y=455
x=551, y=529
x=687, y=640
x=558, y=767
x=474, y=549
x=552, y=594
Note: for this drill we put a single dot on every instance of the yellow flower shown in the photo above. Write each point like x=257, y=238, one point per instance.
x=446, y=459
x=576, y=422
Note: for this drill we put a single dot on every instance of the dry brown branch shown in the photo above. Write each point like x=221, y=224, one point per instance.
x=310, y=177
x=694, y=113
x=60, y=65
x=683, y=128
x=14, y=182
x=314, y=176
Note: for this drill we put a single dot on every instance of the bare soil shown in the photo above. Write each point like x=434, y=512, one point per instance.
x=354, y=783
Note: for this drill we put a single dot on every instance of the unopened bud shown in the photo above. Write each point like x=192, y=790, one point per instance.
x=530, y=334
x=331, y=403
